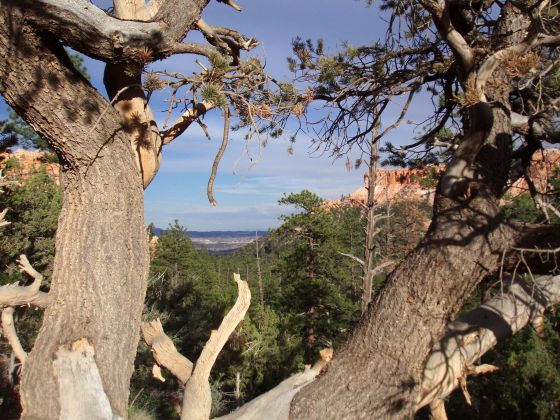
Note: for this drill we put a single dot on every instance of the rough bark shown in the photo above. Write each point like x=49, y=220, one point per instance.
x=100, y=268
x=378, y=371
x=375, y=374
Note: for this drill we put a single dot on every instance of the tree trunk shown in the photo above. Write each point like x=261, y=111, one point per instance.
x=99, y=282
x=376, y=374
x=100, y=269
x=378, y=371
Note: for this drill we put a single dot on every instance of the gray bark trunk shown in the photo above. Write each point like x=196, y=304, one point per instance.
x=101, y=263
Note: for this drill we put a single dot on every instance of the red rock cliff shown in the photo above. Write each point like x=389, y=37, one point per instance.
x=403, y=184
x=28, y=162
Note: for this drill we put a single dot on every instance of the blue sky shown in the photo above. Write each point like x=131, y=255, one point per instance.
x=247, y=193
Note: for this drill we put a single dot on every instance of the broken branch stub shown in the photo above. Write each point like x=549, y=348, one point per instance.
x=164, y=351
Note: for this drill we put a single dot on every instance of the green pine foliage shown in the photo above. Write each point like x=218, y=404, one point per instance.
x=320, y=289
x=33, y=209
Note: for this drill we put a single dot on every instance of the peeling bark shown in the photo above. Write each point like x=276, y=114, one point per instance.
x=79, y=384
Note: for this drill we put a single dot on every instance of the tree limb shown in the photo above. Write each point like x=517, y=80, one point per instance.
x=164, y=351
x=275, y=404
x=15, y=295
x=185, y=120
x=218, y=158
x=353, y=257
x=10, y=332
x=441, y=16
x=197, y=399
x=473, y=334
x=88, y=29
x=491, y=63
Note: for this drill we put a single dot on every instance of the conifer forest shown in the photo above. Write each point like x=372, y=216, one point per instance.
x=397, y=221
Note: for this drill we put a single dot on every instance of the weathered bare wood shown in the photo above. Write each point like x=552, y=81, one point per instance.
x=88, y=29
x=472, y=335
x=16, y=295
x=275, y=404
x=197, y=399
x=79, y=383
x=164, y=351
x=437, y=408
x=185, y=120
x=10, y=332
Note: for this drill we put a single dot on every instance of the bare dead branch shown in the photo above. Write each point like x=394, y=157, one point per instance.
x=232, y=4
x=437, y=409
x=192, y=48
x=358, y=260
x=472, y=335
x=538, y=251
x=164, y=351
x=2, y=216
x=491, y=63
x=185, y=120
x=276, y=402
x=16, y=295
x=197, y=399
x=441, y=16
x=9, y=329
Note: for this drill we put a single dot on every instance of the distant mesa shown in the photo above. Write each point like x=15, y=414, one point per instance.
x=216, y=242
x=392, y=185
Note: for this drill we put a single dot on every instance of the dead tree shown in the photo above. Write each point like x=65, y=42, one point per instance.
x=197, y=399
